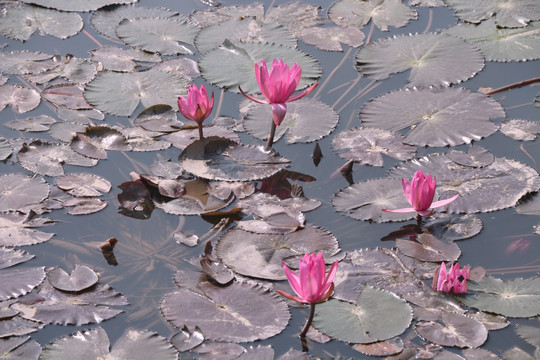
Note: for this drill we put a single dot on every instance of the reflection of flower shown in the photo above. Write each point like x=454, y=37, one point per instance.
x=312, y=284
x=419, y=193
x=196, y=106
x=453, y=281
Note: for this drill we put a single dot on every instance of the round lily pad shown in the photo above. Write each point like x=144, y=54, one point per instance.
x=428, y=248
x=82, y=277
x=376, y=315
x=19, y=190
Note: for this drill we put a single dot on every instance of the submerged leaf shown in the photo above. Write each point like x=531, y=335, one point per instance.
x=449, y=116
x=376, y=315
x=434, y=59
x=521, y=129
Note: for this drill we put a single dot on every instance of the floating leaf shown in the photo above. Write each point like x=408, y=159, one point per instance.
x=22, y=348
x=429, y=248
x=516, y=353
x=94, y=344
x=295, y=16
x=449, y=116
x=430, y=3
x=94, y=142
x=434, y=59
x=77, y=5
x=306, y=120
x=19, y=281
x=157, y=35
x=83, y=205
x=261, y=255
x=455, y=330
x=20, y=99
x=242, y=30
x=19, y=190
x=5, y=149
x=512, y=298
x=366, y=146
x=507, y=13
x=123, y=60
x=48, y=158
x=186, y=340
x=357, y=13
x=11, y=257
x=32, y=124
x=83, y=184
x=476, y=157
x=388, y=347
x=221, y=159
x=25, y=62
x=239, y=312
x=530, y=334
x=135, y=199
x=520, y=129
x=182, y=67
x=204, y=18
x=106, y=20
x=219, y=350
x=330, y=38
x=182, y=139
x=120, y=93
x=15, y=228
x=230, y=65
x=446, y=228
x=376, y=315
x=79, y=116
x=497, y=186
x=158, y=118
x=20, y=23
x=81, y=278
x=57, y=307
x=17, y=326
x=500, y=44
x=66, y=95
x=76, y=70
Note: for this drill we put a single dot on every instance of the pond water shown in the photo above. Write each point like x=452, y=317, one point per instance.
x=148, y=255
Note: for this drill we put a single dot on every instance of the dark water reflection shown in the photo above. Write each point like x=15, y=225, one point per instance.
x=148, y=256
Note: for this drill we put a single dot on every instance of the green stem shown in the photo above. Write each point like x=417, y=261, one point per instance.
x=309, y=320
x=270, y=139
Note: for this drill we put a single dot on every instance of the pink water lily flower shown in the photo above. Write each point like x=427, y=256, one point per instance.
x=454, y=281
x=419, y=193
x=196, y=106
x=277, y=86
x=312, y=284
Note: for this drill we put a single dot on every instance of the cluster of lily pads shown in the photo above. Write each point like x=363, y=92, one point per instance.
x=382, y=301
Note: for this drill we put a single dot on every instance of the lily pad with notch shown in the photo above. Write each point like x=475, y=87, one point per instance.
x=81, y=278
x=66, y=95
x=16, y=229
x=477, y=156
x=185, y=340
x=94, y=142
x=216, y=158
x=434, y=59
x=376, y=315
x=25, y=62
x=19, y=190
x=429, y=248
x=240, y=312
x=183, y=138
x=330, y=38
x=123, y=60
x=18, y=281
x=20, y=99
x=438, y=117
x=160, y=118
x=32, y=124
x=83, y=184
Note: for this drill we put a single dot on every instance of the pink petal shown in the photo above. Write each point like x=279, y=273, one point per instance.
x=294, y=280
x=303, y=93
x=251, y=97
x=278, y=113
x=440, y=203
x=406, y=185
x=291, y=297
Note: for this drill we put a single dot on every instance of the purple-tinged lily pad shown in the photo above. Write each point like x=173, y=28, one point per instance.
x=295, y=16
x=387, y=347
x=453, y=330
x=182, y=139
x=204, y=18
x=429, y=248
x=77, y=5
x=83, y=184
x=48, y=158
x=25, y=62
x=84, y=205
x=330, y=38
x=20, y=348
x=20, y=99
x=94, y=142
x=11, y=257
x=261, y=255
x=185, y=340
x=81, y=278
x=366, y=146
x=160, y=118
x=32, y=124
x=222, y=190
x=74, y=69
x=19, y=281
x=218, y=351
x=447, y=228
x=5, y=149
x=523, y=130
x=222, y=159
x=434, y=59
x=15, y=229
x=66, y=95
x=135, y=199
x=20, y=190
x=79, y=116
x=240, y=312
x=306, y=120
x=479, y=354
x=530, y=334
x=476, y=157
x=448, y=116
x=52, y=306
x=375, y=315
x=259, y=352
x=182, y=67
x=94, y=344
x=123, y=60
x=16, y=326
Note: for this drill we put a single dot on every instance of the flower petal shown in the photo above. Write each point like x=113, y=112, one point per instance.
x=278, y=113
x=303, y=93
x=440, y=203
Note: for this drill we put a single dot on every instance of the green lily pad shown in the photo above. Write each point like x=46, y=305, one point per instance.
x=295, y=16
x=157, y=35
x=501, y=44
x=230, y=65
x=306, y=120
x=434, y=59
x=357, y=13
x=376, y=315
x=243, y=30
x=74, y=69
x=530, y=334
x=512, y=298
x=120, y=93
x=448, y=116
x=20, y=23
x=330, y=38
x=506, y=13
x=122, y=60
x=216, y=158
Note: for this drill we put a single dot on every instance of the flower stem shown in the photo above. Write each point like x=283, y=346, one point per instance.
x=419, y=220
x=309, y=320
x=512, y=86
x=200, y=132
x=270, y=139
